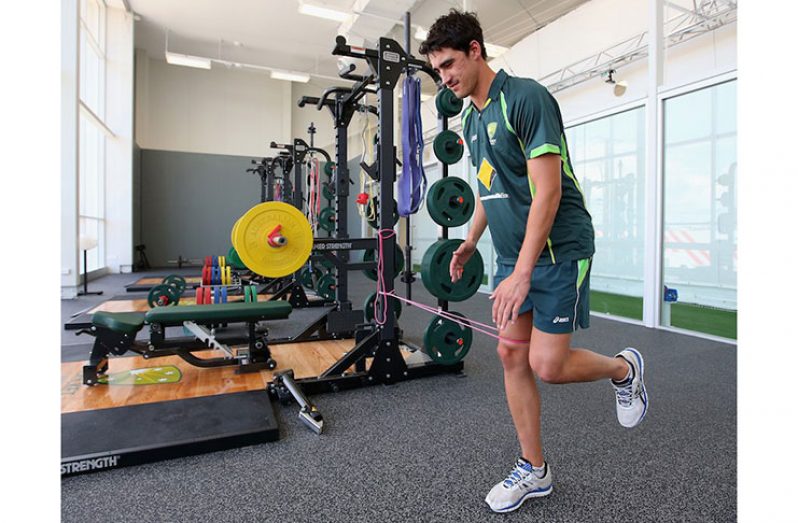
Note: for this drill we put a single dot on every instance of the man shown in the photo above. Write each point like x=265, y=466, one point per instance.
x=543, y=237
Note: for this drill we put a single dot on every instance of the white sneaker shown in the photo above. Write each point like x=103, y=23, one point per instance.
x=520, y=485
x=631, y=399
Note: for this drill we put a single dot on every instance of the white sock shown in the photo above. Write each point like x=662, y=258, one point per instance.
x=628, y=377
x=539, y=472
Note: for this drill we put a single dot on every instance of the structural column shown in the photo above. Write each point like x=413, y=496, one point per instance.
x=70, y=68
x=652, y=245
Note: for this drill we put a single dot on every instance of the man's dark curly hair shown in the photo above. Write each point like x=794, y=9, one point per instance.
x=455, y=30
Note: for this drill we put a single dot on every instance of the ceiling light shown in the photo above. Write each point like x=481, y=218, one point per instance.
x=618, y=88
x=421, y=33
x=188, y=61
x=322, y=12
x=290, y=76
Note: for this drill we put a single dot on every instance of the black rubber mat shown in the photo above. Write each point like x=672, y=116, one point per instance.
x=103, y=439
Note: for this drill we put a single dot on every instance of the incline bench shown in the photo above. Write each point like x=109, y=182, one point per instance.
x=115, y=333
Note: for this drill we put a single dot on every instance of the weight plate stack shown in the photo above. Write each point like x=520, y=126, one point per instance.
x=327, y=219
x=448, y=147
x=326, y=287
x=447, y=342
x=308, y=277
x=435, y=272
x=252, y=233
x=450, y=202
x=163, y=295
x=447, y=103
x=235, y=260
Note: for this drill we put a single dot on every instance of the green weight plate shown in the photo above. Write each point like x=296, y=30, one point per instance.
x=326, y=287
x=448, y=147
x=447, y=103
x=234, y=260
x=447, y=342
x=327, y=219
x=327, y=191
x=308, y=278
x=368, y=307
x=375, y=223
x=450, y=201
x=163, y=295
x=328, y=168
x=371, y=255
x=329, y=265
x=175, y=293
x=177, y=280
x=435, y=272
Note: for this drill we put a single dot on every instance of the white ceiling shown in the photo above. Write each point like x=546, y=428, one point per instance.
x=274, y=34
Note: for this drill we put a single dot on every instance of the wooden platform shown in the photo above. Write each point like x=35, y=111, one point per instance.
x=307, y=359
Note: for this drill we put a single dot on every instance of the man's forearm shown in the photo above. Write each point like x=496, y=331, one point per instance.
x=538, y=226
x=479, y=223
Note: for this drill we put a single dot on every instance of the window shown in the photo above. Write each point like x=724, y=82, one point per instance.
x=608, y=157
x=700, y=211
x=92, y=134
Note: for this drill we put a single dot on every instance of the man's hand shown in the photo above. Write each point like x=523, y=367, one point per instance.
x=508, y=297
x=459, y=258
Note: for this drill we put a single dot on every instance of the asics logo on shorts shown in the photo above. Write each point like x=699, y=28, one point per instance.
x=557, y=319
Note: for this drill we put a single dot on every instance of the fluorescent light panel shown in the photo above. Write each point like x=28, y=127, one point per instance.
x=322, y=12
x=188, y=61
x=291, y=77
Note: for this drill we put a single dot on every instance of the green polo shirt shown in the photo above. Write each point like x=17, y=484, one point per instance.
x=521, y=120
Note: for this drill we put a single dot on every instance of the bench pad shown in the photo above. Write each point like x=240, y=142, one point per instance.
x=122, y=322
x=221, y=312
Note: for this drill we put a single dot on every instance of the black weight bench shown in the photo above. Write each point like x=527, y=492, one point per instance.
x=115, y=333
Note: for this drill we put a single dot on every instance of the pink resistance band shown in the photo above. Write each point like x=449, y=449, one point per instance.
x=486, y=329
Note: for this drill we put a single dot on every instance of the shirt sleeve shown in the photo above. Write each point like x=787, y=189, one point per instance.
x=535, y=117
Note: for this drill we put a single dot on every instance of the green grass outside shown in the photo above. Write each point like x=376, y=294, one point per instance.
x=689, y=316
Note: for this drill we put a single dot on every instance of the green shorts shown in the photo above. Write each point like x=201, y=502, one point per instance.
x=559, y=295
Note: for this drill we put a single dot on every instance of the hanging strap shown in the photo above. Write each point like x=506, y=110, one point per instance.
x=413, y=182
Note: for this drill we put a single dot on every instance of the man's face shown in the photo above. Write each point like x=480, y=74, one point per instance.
x=458, y=70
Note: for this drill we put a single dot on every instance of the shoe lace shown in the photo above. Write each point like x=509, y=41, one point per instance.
x=624, y=395
x=517, y=474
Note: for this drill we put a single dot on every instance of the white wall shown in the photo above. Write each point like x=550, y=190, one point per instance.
x=217, y=111
x=598, y=25
x=119, y=149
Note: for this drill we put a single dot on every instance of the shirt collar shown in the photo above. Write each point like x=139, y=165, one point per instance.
x=497, y=84
x=495, y=88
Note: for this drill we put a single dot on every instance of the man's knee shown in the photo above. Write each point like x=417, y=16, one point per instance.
x=513, y=356
x=549, y=369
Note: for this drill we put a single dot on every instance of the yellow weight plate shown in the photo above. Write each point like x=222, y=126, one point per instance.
x=273, y=239
x=233, y=233
x=222, y=261
x=229, y=274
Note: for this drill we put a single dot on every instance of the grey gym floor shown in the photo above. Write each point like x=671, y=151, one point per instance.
x=430, y=449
